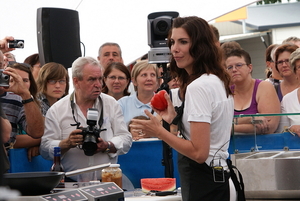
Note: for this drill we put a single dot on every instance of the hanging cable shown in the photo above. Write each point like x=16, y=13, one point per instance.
x=78, y=4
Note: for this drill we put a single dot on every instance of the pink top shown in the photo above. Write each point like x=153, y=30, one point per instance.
x=252, y=109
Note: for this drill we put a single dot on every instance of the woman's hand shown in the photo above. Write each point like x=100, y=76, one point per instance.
x=295, y=129
x=262, y=125
x=146, y=128
x=168, y=114
x=137, y=134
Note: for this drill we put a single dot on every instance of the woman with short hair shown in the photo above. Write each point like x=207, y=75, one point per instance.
x=53, y=84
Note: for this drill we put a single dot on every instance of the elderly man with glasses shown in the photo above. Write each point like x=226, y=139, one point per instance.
x=67, y=122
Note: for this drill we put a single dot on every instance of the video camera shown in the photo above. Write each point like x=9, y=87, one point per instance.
x=91, y=133
x=159, y=25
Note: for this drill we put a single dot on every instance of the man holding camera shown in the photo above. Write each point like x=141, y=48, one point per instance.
x=68, y=118
x=17, y=102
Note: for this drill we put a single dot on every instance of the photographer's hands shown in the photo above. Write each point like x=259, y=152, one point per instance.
x=74, y=139
x=16, y=84
x=4, y=44
x=105, y=145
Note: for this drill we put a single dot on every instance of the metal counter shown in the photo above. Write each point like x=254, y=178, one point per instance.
x=270, y=175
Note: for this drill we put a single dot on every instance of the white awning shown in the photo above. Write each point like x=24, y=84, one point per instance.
x=243, y=36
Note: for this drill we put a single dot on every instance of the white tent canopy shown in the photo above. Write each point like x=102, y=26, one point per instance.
x=120, y=21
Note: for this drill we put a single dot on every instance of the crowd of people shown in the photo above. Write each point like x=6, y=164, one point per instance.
x=209, y=84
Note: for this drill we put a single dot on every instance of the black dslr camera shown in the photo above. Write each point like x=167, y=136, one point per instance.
x=4, y=79
x=16, y=44
x=91, y=133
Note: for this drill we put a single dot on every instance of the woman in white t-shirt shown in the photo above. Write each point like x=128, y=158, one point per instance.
x=207, y=114
x=290, y=102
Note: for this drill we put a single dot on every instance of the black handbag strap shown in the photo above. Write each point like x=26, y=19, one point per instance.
x=276, y=85
x=178, y=119
x=238, y=184
x=179, y=111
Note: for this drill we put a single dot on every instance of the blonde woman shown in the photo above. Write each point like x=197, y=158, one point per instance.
x=145, y=80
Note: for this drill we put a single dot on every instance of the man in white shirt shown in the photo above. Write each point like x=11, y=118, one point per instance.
x=70, y=113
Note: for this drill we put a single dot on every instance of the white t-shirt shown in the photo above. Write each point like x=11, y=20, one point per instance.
x=174, y=95
x=206, y=101
x=290, y=104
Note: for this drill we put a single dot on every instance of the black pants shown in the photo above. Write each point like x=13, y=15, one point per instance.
x=197, y=182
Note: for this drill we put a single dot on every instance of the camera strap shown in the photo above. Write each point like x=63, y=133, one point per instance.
x=77, y=124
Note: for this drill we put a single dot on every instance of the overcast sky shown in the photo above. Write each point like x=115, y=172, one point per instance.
x=124, y=22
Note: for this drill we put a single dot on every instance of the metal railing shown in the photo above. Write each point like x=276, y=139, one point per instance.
x=253, y=121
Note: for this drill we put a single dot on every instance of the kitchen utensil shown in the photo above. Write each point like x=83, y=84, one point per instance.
x=39, y=183
x=161, y=193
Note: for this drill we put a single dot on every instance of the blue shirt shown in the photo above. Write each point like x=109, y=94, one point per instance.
x=132, y=107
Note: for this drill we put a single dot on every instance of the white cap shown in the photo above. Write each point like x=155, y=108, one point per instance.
x=114, y=165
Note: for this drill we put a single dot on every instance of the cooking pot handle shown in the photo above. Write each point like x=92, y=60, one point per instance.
x=87, y=169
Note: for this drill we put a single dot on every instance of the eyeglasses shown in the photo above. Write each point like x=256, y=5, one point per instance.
x=237, y=66
x=113, y=78
x=52, y=82
x=280, y=62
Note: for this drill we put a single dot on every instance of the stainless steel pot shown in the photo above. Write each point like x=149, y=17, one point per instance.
x=39, y=183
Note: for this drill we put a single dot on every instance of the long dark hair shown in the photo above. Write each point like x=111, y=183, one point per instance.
x=32, y=59
x=207, y=56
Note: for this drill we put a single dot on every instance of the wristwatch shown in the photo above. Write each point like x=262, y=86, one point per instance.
x=28, y=100
x=107, y=150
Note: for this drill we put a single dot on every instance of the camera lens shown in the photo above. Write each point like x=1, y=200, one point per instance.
x=89, y=145
x=5, y=77
x=20, y=44
x=162, y=26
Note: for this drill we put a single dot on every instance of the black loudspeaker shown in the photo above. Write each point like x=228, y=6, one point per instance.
x=58, y=36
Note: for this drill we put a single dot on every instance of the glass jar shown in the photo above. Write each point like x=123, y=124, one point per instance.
x=113, y=173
